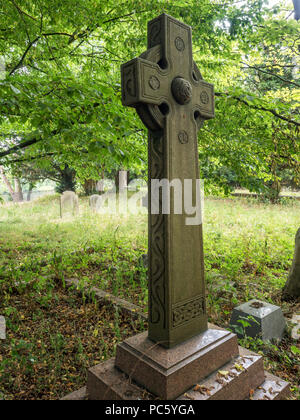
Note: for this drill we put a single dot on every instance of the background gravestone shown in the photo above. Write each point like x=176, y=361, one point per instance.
x=69, y=203
x=296, y=328
x=95, y=202
x=266, y=321
x=123, y=175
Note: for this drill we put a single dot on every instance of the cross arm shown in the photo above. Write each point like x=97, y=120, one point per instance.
x=204, y=99
x=143, y=82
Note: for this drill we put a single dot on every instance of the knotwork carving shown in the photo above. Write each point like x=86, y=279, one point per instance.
x=182, y=90
x=157, y=235
x=188, y=311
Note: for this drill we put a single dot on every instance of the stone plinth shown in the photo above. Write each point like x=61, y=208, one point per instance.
x=167, y=373
x=241, y=377
x=266, y=321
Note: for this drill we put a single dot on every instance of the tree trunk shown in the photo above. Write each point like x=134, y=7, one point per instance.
x=292, y=288
x=18, y=191
x=8, y=184
x=89, y=186
x=100, y=186
x=67, y=181
x=31, y=186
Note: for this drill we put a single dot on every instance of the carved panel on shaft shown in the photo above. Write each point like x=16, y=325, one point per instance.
x=157, y=234
x=187, y=311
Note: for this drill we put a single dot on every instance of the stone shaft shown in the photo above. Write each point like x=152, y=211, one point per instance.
x=170, y=96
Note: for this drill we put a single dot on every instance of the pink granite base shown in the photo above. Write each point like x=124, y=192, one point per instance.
x=240, y=377
x=167, y=373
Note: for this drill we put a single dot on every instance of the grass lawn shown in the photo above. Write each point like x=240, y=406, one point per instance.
x=53, y=335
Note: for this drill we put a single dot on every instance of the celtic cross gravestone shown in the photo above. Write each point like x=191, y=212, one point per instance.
x=180, y=356
x=166, y=88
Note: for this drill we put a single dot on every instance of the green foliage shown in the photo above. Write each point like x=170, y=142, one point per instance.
x=61, y=97
x=248, y=252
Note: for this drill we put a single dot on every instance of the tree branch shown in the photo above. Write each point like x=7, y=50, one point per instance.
x=259, y=108
x=19, y=147
x=24, y=56
x=272, y=74
x=32, y=158
x=22, y=11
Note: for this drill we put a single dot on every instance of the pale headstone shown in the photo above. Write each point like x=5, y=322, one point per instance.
x=123, y=181
x=145, y=201
x=296, y=328
x=266, y=321
x=69, y=203
x=172, y=99
x=100, y=186
x=2, y=328
x=95, y=202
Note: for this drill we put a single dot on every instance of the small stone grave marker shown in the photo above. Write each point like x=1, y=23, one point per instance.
x=69, y=203
x=95, y=202
x=296, y=329
x=266, y=321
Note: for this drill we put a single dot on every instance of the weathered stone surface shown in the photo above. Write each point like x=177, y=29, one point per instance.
x=268, y=323
x=233, y=381
x=2, y=328
x=273, y=388
x=296, y=328
x=69, y=203
x=105, y=382
x=145, y=201
x=79, y=395
x=247, y=381
x=169, y=372
x=95, y=202
x=166, y=88
x=170, y=96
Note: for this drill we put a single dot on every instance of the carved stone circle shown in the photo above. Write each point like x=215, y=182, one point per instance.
x=204, y=98
x=183, y=137
x=179, y=44
x=182, y=90
x=154, y=83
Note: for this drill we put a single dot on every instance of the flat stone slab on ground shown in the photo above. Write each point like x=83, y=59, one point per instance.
x=2, y=328
x=268, y=321
x=79, y=395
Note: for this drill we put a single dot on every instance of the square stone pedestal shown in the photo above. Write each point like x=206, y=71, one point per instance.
x=266, y=320
x=165, y=373
x=209, y=366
